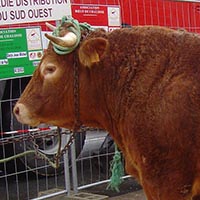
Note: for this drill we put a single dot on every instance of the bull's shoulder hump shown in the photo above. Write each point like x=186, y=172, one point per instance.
x=152, y=29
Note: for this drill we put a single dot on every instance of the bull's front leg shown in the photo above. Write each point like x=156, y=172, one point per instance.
x=132, y=170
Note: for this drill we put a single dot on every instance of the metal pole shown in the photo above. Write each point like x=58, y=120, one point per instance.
x=66, y=167
x=74, y=168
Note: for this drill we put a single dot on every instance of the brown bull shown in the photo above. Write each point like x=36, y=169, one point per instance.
x=140, y=84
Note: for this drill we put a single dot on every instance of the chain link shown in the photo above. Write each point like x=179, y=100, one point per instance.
x=77, y=123
x=33, y=136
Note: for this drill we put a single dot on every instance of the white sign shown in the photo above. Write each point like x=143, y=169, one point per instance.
x=114, y=16
x=25, y=11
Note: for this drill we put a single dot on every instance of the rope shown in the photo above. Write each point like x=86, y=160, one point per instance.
x=54, y=165
x=76, y=29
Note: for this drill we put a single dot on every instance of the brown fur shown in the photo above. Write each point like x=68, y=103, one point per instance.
x=143, y=86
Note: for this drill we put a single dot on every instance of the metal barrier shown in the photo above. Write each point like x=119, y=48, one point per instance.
x=22, y=181
x=95, y=161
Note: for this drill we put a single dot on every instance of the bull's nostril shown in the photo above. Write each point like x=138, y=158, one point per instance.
x=16, y=110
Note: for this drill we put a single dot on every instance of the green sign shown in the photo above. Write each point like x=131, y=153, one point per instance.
x=20, y=51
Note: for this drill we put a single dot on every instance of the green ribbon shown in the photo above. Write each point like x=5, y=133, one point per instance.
x=76, y=29
x=117, y=171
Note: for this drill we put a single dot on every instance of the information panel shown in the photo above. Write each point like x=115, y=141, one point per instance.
x=20, y=51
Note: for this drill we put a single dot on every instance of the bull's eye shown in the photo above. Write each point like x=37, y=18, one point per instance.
x=49, y=69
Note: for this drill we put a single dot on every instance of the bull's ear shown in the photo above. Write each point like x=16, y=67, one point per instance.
x=92, y=50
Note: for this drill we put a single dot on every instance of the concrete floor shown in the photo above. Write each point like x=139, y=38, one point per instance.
x=137, y=195
x=129, y=190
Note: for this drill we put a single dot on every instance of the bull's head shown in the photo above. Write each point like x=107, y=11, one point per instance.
x=49, y=97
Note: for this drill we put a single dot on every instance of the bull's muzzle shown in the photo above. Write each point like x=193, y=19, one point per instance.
x=23, y=115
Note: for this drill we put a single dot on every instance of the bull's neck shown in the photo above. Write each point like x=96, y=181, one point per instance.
x=98, y=97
